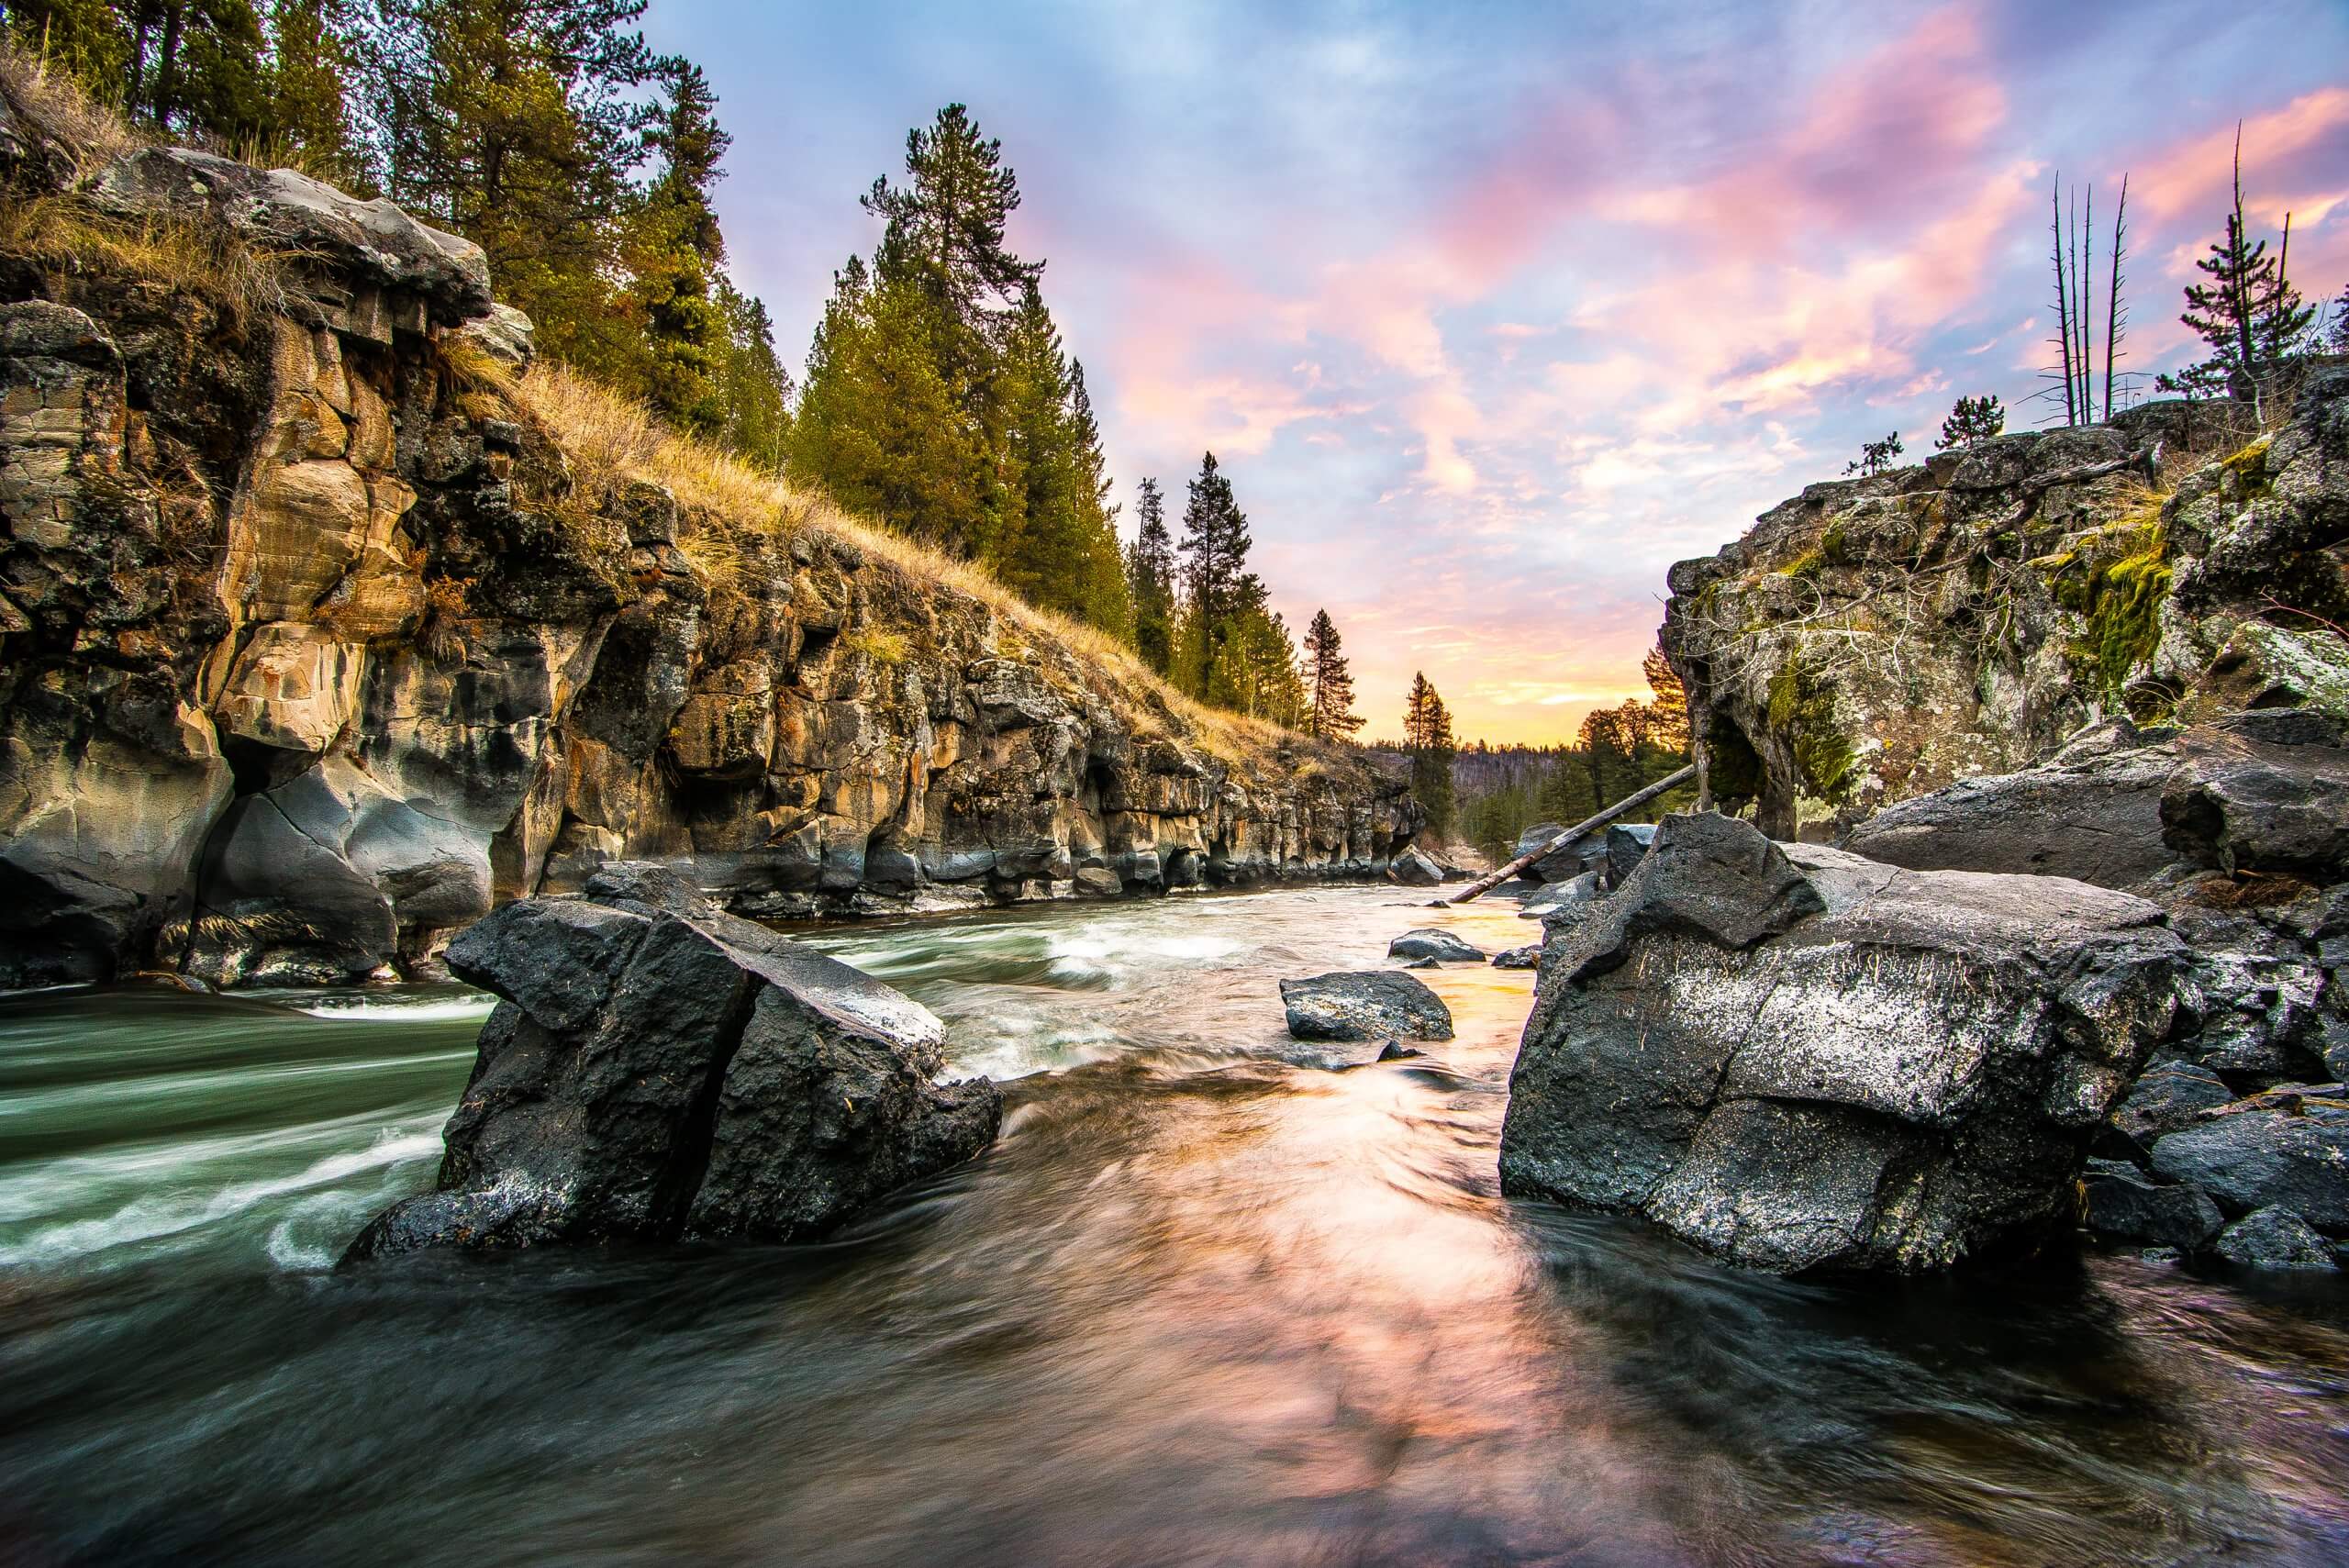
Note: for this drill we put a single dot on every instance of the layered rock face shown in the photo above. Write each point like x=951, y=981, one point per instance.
x=315, y=647
x=1801, y=1060
x=1873, y=640
x=659, y=1070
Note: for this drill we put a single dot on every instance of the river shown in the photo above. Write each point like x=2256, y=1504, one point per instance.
x=1214, y=1298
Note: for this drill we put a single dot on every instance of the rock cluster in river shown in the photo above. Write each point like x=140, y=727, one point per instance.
x=315, y=648
x=658, y=1070
x=2240, y=830
x=1798, y=1059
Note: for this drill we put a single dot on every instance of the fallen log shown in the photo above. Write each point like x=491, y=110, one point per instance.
x=1491, y=880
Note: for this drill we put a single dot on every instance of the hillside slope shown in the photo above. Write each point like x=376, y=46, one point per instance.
x=327, y=624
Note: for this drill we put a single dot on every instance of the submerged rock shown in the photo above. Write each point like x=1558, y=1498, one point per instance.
x=657, y=1069
x=1527, y=957
x=1364, y=1005
x=1428, y=941
x=1823, y=1062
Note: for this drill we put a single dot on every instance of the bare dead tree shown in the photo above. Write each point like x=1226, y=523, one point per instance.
x=2063, y=303
x=2112, y=312
x=2083, y=263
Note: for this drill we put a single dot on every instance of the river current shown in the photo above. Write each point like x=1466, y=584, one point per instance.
x=1214, y=1298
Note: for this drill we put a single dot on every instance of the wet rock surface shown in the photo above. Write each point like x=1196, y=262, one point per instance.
x=1382, y=1004
x=658, y=1069
x=1442, y=946
x=1798, y=1059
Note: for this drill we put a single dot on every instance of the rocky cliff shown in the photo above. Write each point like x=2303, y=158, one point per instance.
x=1873, y=640
x=326, y=627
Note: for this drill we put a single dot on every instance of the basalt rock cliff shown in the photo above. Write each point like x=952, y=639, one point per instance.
x=318, y=641
x=1874, y=639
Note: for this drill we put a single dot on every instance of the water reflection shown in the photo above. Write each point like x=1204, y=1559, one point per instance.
x=1210, y=1301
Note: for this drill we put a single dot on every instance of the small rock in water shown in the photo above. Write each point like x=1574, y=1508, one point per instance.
x=2122, y=1205
x=1423, y=963
x=1364, y=1005
x=2274, y=1238
x=1413, y=869
x=1527, y=957
x=1428, y=942
x=1396, y=1050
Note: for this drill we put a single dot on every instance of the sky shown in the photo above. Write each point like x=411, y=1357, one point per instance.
x=1492, y=312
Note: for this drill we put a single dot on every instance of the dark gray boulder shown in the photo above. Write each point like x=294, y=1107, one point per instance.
x=1832, y=1064
x=2169, y=1097
x=1527, y=957
x=1585, y=853
x=1627, y=842
x=2274, y=1238
x=2258, y=1158
x=2256, y=791
x=658, y=1069
x=1379, y=1004
x=1428, y=941
x=1413, y=869
x=2119, y=1204
x=1554, y=898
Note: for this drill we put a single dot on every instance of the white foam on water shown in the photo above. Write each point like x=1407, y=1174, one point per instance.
x=381, y=1009
x=171, y=1212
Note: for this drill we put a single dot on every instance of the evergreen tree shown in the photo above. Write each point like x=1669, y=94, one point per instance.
x=945, y=236
x=1255, y=670
x=2336, y=341
x=1150, y=580
x=1058, y=540
x=1427, y=731
x=1875, y=457
x=2249, y=314
x=1214, y=555
x=309, y=74
x=755, y=389
x=518, y=123
x=877, y=424
x=1333, y=715
x=672, y=253
x=1568, y=795
x=1667, y=725
x=1973, y=421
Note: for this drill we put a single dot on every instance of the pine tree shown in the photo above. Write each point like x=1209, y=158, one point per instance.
x=672, y=253
x=877, y=425
x=1973, y=421
x=1150, y=580
x=1214, y=555
x=1427, y=731
x=2249, y=313
x=311, y=63
x=945, y=235
x=1875, y=457
x=518, y=123
x=755, y=388
x=1667, y=722
x=1333, y=683
x=2336, y=339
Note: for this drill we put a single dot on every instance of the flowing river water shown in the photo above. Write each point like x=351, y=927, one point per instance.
x=1214, y=1298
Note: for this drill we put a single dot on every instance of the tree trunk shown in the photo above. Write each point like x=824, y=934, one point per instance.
x=1491, y=880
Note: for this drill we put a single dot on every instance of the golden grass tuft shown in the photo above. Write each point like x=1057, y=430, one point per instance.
x=87, y=133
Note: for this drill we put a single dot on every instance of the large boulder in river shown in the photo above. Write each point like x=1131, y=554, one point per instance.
x=1798, y=1059
x=659, y=1070
x=1378, y=1004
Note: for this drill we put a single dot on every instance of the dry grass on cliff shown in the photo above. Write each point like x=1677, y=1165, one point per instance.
x=88, y=133
x=737, y=516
